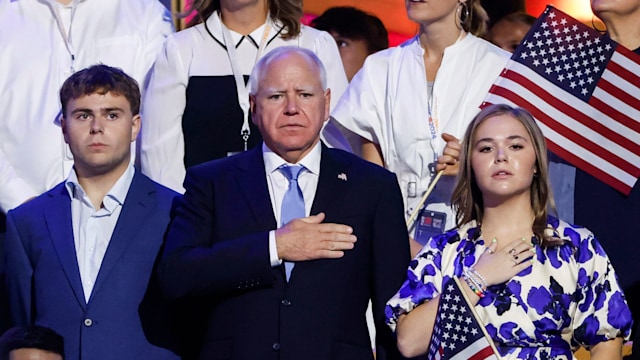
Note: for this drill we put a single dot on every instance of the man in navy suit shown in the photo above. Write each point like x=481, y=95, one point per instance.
x=80, y=257
x=230, y=250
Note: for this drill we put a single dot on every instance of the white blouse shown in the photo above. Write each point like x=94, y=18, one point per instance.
x=388, y=103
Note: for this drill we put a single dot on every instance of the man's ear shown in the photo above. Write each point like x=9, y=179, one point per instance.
x=63, y=126
x=327, y=103
x=135, y=127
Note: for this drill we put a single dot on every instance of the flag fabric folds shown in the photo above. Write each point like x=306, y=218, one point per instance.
x=457, y=333
x=584, y=90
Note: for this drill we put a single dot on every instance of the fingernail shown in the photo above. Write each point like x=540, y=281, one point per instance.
x=494, y=240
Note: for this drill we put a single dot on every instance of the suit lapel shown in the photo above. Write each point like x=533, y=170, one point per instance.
x=333, y=177
x=252, y=181
x=57, y=216
x=140, y=200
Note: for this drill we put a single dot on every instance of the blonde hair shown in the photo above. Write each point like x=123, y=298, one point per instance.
x=477, y=21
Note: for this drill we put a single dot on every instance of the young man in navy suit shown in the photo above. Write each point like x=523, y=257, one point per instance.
x=274, y=288
x=80, y=257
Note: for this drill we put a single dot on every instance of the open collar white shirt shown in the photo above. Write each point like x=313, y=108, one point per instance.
x=93, y=228
x=35, y=60
x=278, y=183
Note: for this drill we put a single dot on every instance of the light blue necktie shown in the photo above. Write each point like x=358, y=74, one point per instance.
x=292, y=203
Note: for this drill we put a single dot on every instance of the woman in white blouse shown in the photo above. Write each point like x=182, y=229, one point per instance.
x=196, y=107
x=408, y=102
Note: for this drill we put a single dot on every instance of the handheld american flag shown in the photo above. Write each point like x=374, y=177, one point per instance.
x=457, y=333
x=584, y=90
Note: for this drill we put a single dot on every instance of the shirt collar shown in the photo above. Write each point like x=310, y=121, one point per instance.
x=114, y=197
x=214, y=24
x=311, y=161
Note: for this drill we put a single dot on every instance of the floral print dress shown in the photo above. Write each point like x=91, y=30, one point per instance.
x=568, y=298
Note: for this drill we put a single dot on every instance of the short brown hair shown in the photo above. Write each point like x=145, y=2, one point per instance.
x=355, y=24
x=100, y=79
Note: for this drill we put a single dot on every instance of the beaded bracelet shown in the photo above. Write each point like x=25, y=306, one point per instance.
x=473, y=286
x=479, y=277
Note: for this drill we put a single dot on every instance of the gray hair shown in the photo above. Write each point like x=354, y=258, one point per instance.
x=258, y=69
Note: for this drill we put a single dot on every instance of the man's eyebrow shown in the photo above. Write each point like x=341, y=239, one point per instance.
x=111, y=109
x=82, y=110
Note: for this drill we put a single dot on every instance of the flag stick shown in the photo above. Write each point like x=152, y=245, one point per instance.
x=424, y=198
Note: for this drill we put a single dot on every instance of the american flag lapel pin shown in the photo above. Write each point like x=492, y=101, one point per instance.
x=342, y=176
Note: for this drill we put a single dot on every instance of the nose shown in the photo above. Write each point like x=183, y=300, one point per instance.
x=96, y=127
x=501, y=155
x=292, y=105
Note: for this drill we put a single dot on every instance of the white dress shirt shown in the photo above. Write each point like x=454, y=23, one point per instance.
x=278, y=184
x=35, y=60
x=93, y=228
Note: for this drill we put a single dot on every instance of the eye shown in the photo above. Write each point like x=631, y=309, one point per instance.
x=342, y=43
x=306, y=95
x=516, y=146
x=484, y=149
x=112, y=116
x=275, y=97
x=82, y=116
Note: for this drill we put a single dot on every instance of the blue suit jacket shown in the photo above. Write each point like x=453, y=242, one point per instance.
x=124, y=314
x=217, y=252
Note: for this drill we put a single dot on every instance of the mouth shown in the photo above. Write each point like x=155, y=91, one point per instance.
x=501, y=173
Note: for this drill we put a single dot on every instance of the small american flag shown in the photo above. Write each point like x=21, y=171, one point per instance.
x=583, y=89
x=457, y=334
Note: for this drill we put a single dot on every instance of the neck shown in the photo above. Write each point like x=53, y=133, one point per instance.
x=510, y=220
x=64, y=2
x=625, y=31
x=97, y=185
x=243, y=19
x=434, y=39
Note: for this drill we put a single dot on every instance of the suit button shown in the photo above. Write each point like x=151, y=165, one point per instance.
x=275, y=346
x=285, y=302
x=88, y=322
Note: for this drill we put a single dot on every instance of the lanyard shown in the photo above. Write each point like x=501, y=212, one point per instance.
x=433, y=120
x=66, y=37
x=241, y=88
x=433, y=127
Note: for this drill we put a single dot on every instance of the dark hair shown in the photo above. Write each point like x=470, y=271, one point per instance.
x=355, y=24
x=288, y=12
x=100, y=79
x=517, y=17
x=31, y=337
x=467, y=198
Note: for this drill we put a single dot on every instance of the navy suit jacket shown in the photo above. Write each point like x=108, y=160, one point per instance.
x=124, y=314
x=217, y=252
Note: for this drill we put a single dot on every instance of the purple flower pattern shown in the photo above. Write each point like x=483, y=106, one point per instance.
x=568, y=298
